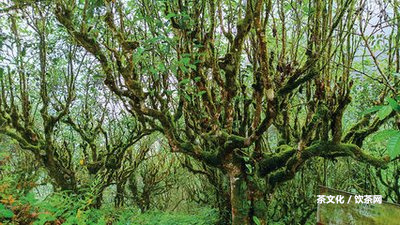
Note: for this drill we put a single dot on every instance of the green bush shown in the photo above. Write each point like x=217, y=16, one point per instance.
x=202, y=217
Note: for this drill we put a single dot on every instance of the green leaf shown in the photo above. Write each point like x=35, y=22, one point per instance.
x=185, y=61
x=384, y=135
x=201, y=93
x=30, y=198
x=169, y=92
x=393, y=146
x=256, y=220
x=186, y=96
x=393, y=103
x=384, y=112
x=140, y=50
x=98, y=76
x=44, y=217
x=371, y=110
x=153, y=70
x=170, y=15
x=184, y=81
x=4, y=212
x=396, y=74
x=161, y=67
x=249, y=168
x=184, y=69
x=197, y=79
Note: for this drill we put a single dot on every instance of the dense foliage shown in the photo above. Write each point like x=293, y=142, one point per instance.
x=195, y=112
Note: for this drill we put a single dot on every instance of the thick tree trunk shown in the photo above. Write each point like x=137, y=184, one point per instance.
x=258, y=208
x=240, y=207
x=246, y=198
x=224, y=206
x=98, y=201
x=240, y=204
x=62, y=177
x=62, y=180
x=120, y=195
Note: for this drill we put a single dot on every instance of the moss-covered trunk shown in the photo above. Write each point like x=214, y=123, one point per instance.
x=239, y=191
x=224, y=206
x=120, y=195
x=248, y=205
x=240, y=207
x=63, y=178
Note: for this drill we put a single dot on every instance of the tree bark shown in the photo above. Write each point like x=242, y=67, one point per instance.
x=246, y=198
x=120, y=195
x=240, y=208
x=224, y=205
x=240, y=204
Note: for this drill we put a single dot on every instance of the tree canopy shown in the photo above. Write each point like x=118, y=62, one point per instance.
x=248, y=98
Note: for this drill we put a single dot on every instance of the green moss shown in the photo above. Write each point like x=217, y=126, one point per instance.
x=275, y=161
x=287, y=158
x=260, y=208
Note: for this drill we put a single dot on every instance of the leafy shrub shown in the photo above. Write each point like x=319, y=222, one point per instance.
x=202, y=217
